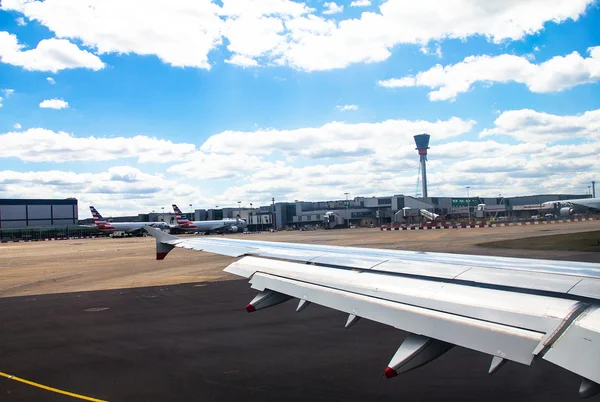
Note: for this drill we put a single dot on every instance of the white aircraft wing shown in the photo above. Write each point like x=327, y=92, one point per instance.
x=510, y=308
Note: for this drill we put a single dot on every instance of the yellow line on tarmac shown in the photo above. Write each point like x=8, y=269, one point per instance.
x=58, y=391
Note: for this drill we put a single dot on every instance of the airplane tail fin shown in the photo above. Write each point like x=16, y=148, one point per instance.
x=100, y=222
x=162, y=241
x=181, y=219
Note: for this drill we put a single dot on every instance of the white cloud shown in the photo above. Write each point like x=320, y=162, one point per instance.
x=286, y=8
x=347, y=107
x=17, y=126
x=21, y=21
x=555, y=74
x=7, y=93
x=242, y=61
x=119, y=190
x=180, y=33
x=284, y=32
x=332, y=8
x=49, y=55
x=289, y=164
x=41, y=145
x=335, y=139
x=54, y=104
x=51, y=80
x=360, y=3
x=529, y=125
x=371, y=37
x=212, y=166
x=437, y=51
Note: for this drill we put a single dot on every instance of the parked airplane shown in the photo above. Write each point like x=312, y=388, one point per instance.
x=514, y=309
x=127, y=227
x=569, y=207
x=222, y=226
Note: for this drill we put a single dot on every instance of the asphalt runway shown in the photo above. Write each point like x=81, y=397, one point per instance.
x=195, y=342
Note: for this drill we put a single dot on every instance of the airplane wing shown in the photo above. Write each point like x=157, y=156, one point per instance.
x=509, y=308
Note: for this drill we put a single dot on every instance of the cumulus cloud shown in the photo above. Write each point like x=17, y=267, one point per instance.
x=219, y=166
x=17, y=126
x=42, y=145
x=371, y=37
x=180, y=34
x=520, y=158
x=532, y=126
x=360, y=3
x=51, y=80
x=242, y=61
x=337, y=138
x=426, y=50
x=531, y=165
x=49, y=55
x=54, y=104
x=284, y=32
x=347, y=107
x=555, y=74
x=332, y=8
x=7, y=93
x=119, y=190
x=21, y=21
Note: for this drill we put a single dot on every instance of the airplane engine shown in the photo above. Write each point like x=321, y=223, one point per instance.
x=566, y=211
x=233, y=229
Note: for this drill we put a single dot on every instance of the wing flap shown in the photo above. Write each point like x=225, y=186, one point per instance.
x=578, y=348
x=587, y=287
x=499, y=340
x=534, y=312
x=348, y=261
x=520, y=279
x=422, y=268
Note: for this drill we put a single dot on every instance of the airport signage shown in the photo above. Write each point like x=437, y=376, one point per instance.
x=527, y=207
x=465, y=202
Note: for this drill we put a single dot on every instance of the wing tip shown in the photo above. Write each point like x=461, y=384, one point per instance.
x=390, y=372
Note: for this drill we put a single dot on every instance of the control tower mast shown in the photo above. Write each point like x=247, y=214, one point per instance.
x=422, y=142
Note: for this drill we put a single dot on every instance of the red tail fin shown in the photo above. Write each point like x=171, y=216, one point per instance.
x=99, y=220
x=181, y=219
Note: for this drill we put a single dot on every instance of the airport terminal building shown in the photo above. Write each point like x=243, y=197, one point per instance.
x=373, y=211
x=24, y=213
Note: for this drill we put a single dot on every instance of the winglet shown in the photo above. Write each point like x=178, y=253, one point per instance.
x=162, y=239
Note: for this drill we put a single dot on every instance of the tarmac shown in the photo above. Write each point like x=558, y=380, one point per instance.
x=101, y=319
x=195, y=342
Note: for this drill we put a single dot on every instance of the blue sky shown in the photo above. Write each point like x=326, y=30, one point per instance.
x=210, y=103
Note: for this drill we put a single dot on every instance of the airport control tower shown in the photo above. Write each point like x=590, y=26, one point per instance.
x=422, y=142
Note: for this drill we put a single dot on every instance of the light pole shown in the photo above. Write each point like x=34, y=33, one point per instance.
x=250, y=215
x=192, y=217
x=239, y=210
x=468, y=203
x=347, y=215
x=273, y=216
x=163, y=213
